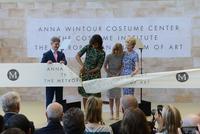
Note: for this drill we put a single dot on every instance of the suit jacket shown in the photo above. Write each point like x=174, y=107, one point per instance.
x=7, y=116
x=52, y=128
x=49, y=56
x=116, y=127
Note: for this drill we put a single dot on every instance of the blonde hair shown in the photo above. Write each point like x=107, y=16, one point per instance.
x=94, y=110
x=177, y=117
x=117, y=47
x=171, y=119
x=131, y=41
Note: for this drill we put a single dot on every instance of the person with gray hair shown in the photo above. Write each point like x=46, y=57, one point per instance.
x=127, y=101
x=54, y=114
x=10, y=104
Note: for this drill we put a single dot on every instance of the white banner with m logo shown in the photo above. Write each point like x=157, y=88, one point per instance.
x=37, y=75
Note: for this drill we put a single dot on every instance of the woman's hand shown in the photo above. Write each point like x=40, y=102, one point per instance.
x=83, y=70
x=133, y=73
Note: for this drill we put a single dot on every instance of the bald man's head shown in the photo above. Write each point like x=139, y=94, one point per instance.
x=129, y=101
x=54, y=111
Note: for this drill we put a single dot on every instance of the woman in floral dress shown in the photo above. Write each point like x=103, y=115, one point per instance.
x=91, y=68
x=130, y=65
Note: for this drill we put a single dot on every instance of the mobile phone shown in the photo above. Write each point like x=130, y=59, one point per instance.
x=189, y=130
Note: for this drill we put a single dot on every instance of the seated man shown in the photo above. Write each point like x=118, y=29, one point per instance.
x=20, y=121
x=54, y=114
x=10, y=104
x=73, y=121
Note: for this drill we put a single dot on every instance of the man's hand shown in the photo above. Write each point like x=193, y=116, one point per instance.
x=62, y=62
x=49, y=62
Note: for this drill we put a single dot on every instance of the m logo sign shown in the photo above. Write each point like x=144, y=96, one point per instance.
x=182, y=77
x=13, y=75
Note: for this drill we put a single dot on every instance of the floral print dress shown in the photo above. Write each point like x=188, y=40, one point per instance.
x=128, y=66
x=94, y=58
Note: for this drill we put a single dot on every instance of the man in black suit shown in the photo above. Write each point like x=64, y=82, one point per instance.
x=127, y=101
x=11, y=107
x=20, y=121
x=54, y=56
x=54, y=114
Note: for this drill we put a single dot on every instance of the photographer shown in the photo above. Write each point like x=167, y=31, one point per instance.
x=156, y=122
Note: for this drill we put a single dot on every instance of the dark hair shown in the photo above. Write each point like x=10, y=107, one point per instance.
x=55, y=39
x=13, y=131
x=134, y=122
x=19, y=121
x=73, y=121
x=96, y=39
x=1, y=123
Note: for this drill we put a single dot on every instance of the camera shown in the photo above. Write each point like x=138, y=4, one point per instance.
x=189, y=130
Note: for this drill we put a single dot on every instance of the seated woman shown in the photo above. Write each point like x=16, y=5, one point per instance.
x=134, y=122
x=94, y=117
x=171, y=120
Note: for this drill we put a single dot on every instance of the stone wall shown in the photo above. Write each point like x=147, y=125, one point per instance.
x=13, y=15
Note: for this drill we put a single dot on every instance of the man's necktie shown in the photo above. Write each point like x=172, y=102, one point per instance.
x=55, y=55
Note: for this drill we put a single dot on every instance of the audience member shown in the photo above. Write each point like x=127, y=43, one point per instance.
x=54, y=114
x=13, y=131
x=134, y=122
x=10, y=104
x=158, y=119
x=94, y=117
x=19, y=121
x=73, y=121
x=191, y=120
x=127, y=101
x=171, y=120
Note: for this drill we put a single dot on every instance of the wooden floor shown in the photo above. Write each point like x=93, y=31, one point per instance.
x=35, y=111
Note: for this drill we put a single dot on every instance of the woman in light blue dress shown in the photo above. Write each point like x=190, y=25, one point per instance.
x=130, y=65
